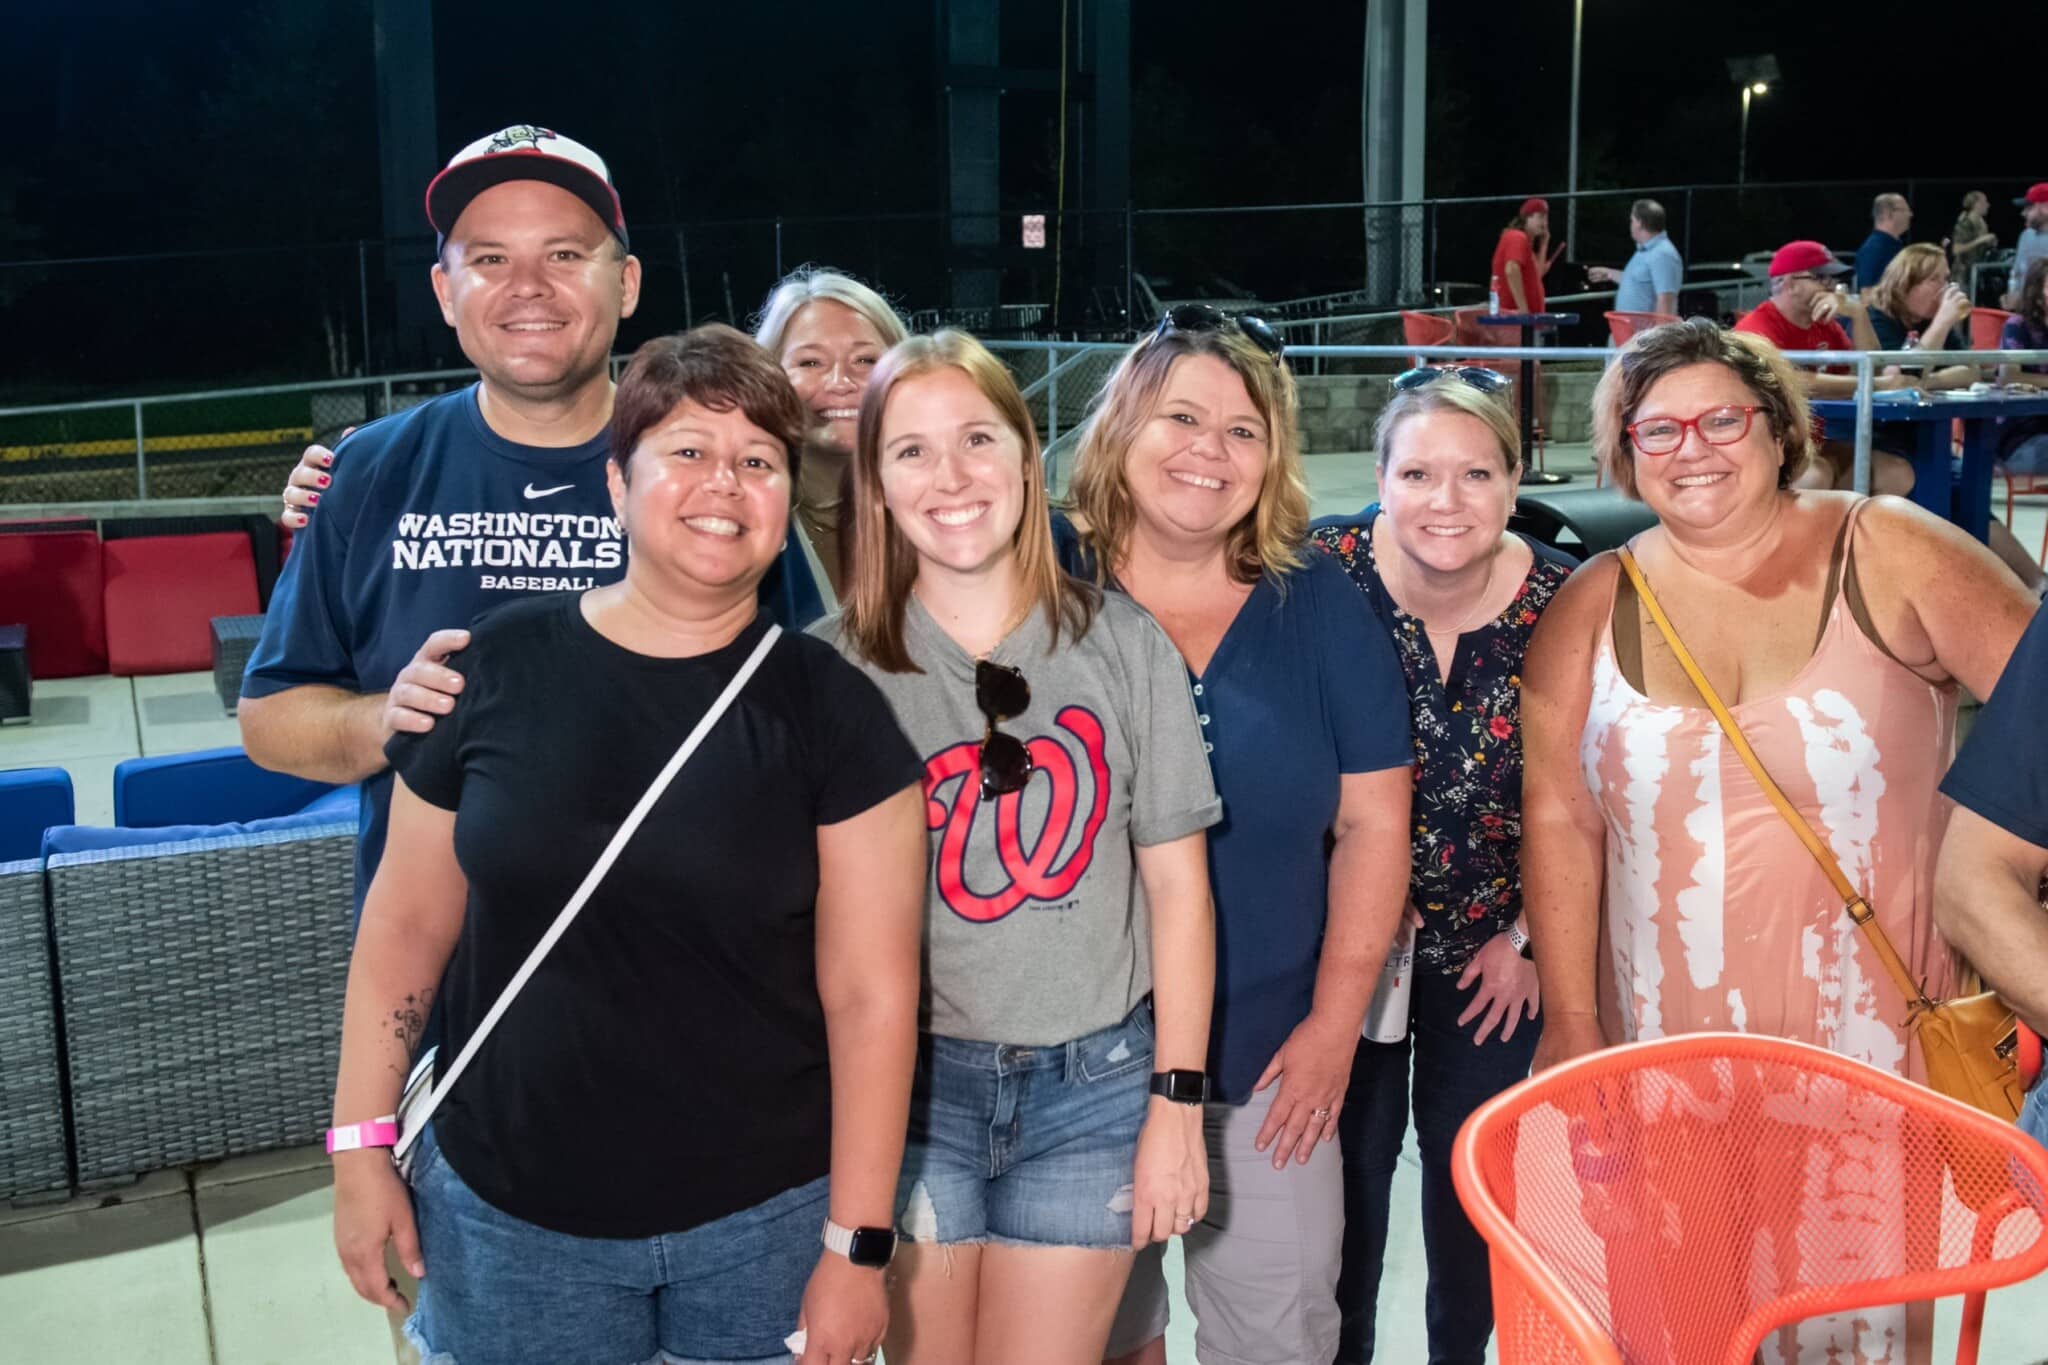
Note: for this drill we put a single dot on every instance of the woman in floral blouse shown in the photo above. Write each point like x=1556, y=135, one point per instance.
x=1460, y=594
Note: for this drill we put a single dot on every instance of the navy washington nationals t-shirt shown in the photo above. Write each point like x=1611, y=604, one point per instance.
x=431, y=519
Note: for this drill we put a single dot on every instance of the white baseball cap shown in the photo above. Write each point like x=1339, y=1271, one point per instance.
x=524, y=152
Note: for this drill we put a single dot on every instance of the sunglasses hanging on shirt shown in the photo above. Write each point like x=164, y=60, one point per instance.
x=1002, y=694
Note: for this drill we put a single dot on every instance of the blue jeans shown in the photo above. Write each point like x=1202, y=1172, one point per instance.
x=2034, y=1114
x=1452, y=1078
x=1027, y=1144
x=499, y=1290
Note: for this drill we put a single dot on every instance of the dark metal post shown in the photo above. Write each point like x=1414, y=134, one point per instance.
x=1433, y=276
x=683, y=263
x=363, y=296
x=1130, y=267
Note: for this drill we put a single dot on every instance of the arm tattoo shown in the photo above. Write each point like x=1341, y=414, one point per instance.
x=409, y=1025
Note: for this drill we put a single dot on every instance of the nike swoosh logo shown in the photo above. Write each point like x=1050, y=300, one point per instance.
x=533, y=492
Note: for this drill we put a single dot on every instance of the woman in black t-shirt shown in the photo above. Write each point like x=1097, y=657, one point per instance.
x=714, y=1060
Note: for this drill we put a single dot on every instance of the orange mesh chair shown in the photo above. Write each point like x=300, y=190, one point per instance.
x=1987, y=328
x=1622, y=326
x=1427, y=329
x=1679, y=1202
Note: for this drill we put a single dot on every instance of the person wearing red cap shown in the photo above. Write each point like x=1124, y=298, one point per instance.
x=2033, y=240
x=1519, y=259
x=1802, y=314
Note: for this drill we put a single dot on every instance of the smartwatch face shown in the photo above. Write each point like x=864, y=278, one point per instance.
x=872, y=1247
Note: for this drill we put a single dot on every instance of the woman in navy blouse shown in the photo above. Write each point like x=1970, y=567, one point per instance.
x=1189, y=496
x=1458, y=593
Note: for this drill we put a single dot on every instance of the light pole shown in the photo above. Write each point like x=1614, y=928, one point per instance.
x=1742, y=147
x=1754, y=75
x=1571, y=203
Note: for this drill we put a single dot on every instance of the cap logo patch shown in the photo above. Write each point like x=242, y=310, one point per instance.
x=520, y=133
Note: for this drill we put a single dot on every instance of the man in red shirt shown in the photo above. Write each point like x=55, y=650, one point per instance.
x=1800, y=315
x=1519, y=261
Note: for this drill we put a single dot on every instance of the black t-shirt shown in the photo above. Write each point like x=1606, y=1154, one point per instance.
x=666, y=1065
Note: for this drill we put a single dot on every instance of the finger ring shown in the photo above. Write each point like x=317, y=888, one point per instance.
x=1319, y=1113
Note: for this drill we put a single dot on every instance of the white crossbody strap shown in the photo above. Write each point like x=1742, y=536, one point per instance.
x=414, y=1127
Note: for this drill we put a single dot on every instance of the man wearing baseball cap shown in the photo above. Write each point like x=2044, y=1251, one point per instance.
x=1801, y=315
x=2033, y=240
x=477, y=497
x=1519, y=259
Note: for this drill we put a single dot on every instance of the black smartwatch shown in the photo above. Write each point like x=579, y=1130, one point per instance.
x=1181, y=1087
x=871, y=1248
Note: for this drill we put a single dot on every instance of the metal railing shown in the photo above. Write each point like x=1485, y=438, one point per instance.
x=1059, y=380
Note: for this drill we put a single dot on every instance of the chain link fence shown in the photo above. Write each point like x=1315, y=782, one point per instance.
x=228, y=444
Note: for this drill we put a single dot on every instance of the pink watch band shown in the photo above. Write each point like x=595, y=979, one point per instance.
x=354, y=1136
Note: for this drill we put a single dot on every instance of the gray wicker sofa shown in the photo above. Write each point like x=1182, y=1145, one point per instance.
x=171, y=996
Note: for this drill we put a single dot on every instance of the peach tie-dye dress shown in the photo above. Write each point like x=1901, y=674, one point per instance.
x=1717, y=917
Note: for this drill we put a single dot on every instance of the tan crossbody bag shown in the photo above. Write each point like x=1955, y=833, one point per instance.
x=1968, y=1043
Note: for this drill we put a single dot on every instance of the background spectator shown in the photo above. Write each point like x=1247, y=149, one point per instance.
x=1519, y=259
x=1800, y=315
x=2033, y=239
x=1890, y=216
x=1972, y=239
x=2023, y=441
x=1649, y=282
x=1915, y=301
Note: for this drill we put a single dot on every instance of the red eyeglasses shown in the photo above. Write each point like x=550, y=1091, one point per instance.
x=1722, y=426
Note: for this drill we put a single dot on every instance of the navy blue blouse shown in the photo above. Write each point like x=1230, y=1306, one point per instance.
x=1465, y=872
x=1302, y=688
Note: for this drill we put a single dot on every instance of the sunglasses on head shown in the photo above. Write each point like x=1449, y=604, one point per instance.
x=1200, y=317
x=1002, y=694
x=1480, y=378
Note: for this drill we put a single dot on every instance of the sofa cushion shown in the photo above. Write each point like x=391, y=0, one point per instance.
x=336, y=808
x=205, y=787
x=161, y=592
x=31, y=801
x=53, y=583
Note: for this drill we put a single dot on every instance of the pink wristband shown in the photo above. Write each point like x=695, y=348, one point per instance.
x=352, y=1137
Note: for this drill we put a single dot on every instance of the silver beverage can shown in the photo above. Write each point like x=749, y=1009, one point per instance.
x=1386, y=1018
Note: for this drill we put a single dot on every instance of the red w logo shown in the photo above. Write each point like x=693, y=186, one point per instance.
x=1031, y=874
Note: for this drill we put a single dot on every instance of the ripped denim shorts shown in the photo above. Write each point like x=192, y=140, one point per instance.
x=1024, y=1144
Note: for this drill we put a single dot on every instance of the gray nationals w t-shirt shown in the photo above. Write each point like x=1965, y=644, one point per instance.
x=1036, y=929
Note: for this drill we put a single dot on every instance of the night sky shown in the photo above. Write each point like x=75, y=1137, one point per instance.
x=175, y=125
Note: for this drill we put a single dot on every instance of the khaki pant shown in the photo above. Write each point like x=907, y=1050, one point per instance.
x=1262, y=1267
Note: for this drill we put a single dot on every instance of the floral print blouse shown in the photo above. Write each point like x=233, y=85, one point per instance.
x=1465, y=872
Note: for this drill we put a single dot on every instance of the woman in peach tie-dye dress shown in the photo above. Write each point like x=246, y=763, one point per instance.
x=1666, y=895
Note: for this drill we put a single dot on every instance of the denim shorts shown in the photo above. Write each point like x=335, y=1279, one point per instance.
x=499, y=1290
x=1023, y=1144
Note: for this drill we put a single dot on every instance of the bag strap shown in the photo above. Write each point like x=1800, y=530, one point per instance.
x=1852, y=901
x=597, y=872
